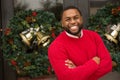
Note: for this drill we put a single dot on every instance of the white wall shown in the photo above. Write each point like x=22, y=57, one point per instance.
x=34, y=4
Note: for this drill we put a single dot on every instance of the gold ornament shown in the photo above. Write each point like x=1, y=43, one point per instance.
x=42, y=39
x=113, y=33
x=33, y=20
x=33, y=34
x=29, y=19
x=114, y=64
x=1, y=30
x=18, y=70
x=27, y=36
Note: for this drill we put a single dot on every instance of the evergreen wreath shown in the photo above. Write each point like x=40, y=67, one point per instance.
x=29, y=60
x=103, y=22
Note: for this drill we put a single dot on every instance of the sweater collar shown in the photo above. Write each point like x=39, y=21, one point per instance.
x=73, y=36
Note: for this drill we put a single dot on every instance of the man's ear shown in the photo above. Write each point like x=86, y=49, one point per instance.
x=81, y=19
x=61, y=23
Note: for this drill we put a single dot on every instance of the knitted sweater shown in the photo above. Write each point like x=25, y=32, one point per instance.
x=80, y=51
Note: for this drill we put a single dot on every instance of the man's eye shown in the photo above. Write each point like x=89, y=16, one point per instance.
x=67, y=20
x=76, y=18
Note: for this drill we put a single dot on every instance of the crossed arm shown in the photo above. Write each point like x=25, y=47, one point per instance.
x=93, y=69
x=71, y=65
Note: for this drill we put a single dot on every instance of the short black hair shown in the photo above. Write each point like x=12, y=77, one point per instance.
x=67, y=8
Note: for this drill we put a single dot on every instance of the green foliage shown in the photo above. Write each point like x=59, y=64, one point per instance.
x=57, y=9
x=27, y=61
x=102, y=22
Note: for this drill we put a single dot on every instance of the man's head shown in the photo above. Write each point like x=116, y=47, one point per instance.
x=71, y=19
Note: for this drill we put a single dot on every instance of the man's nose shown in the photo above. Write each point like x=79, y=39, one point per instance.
x=72, y=21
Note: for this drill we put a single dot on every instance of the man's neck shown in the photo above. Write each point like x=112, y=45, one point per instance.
x=75, y=36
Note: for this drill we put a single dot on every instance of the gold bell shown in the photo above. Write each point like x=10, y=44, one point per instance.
x=26, y=37
x=113, y=34
x=42, y=39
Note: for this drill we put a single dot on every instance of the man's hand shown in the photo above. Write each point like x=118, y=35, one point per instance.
x=70, y=64
x=96, y=59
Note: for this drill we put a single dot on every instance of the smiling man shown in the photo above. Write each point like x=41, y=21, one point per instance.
x=77, y=53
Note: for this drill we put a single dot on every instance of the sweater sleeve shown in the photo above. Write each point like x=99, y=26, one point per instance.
x=105, y=59
x=57, y=56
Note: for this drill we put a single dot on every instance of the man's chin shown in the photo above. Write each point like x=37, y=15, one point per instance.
x=74, y=33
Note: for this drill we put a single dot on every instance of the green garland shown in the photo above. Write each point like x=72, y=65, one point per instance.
x=27, y=61
x=102, y=23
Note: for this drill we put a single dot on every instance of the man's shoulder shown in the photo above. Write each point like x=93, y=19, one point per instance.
x=59, y=39
x=87, y=31
x=90, y=33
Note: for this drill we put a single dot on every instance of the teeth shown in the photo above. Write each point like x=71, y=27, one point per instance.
x=74, y=27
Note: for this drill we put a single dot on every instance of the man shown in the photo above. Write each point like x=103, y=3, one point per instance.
x=77, y=53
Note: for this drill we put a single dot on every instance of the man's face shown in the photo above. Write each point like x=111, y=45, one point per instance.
x=72, y=21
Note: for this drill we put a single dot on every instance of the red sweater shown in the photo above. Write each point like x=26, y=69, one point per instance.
x=80, y=51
